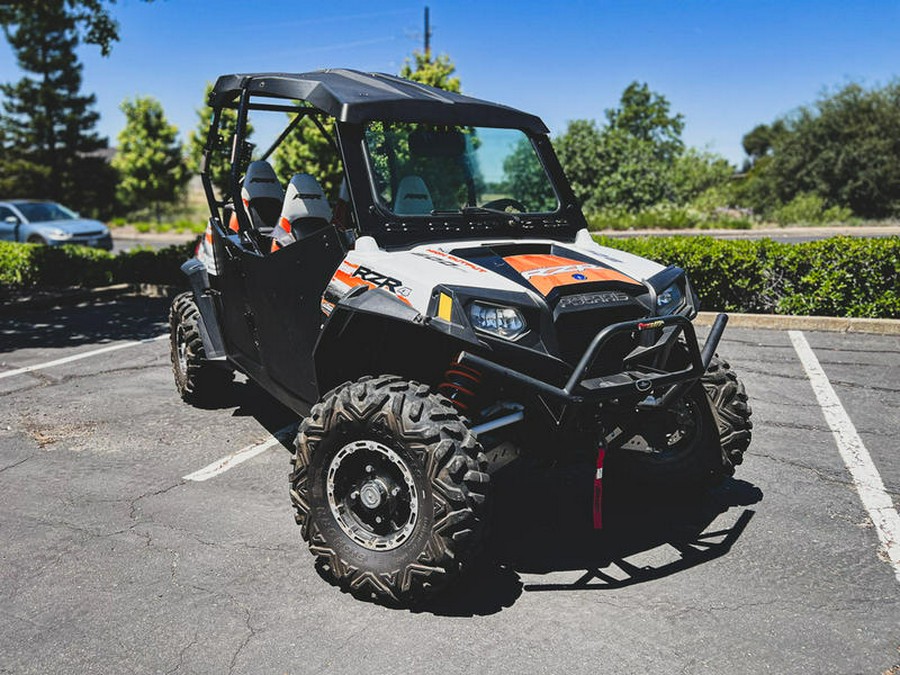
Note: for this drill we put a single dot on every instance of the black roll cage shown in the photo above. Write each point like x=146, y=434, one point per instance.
x=243, y=106
x=352, y=99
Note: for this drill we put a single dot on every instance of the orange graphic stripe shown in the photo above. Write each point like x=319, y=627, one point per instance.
x=546, y=272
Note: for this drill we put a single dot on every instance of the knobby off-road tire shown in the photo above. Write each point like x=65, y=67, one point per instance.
x=732, y=408
x=198, y=381
x=695, y=444
x=414, y=444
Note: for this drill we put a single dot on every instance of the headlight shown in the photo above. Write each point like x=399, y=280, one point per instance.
x=56, y=233
x=669, y=299
x=505, y=322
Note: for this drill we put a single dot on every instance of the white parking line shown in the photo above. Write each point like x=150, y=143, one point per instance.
x=239, y=456
x=78, y=357
x=866, y=478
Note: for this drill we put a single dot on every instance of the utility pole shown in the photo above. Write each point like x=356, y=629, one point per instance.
x=427, y=34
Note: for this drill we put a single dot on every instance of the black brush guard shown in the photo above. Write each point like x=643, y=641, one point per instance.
x=630, y=382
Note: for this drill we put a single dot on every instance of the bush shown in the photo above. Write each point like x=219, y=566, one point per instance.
x=26, y=266
x=840, y=276
x=150, y=266
x=666, y=217
x=809, y=209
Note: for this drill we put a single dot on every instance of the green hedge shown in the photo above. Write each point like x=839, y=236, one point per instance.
x=840, y=276
x=29, y=266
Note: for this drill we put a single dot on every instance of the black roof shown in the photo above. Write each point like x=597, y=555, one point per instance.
x=353, y=96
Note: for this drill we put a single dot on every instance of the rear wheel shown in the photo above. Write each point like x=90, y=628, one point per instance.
x=388, y=488
x=198, y=381
x=696, y=442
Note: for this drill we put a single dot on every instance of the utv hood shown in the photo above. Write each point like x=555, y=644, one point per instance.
x=544, y=269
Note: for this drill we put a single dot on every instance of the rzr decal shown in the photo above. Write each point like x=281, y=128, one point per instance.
x=378, y=280
x=546, y=272
x=349, y=276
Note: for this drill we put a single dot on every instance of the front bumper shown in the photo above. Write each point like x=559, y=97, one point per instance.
x=634, y=380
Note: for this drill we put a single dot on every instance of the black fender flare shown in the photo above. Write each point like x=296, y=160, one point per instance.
x=373, y=332
x=210, y=332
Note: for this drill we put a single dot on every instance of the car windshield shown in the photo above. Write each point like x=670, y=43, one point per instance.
x=425, y=170
x=40, y=212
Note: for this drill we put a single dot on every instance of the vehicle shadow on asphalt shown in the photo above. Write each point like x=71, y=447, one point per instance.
x=542, y=525
x=87, y=324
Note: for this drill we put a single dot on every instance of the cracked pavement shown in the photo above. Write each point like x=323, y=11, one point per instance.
x=110, y=562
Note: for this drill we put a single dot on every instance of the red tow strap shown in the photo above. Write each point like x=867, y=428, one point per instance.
x=598, y=489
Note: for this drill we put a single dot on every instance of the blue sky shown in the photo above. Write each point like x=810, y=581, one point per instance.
x=726, y=65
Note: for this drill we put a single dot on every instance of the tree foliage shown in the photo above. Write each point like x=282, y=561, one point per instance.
x=149, y=157
x=637, y=159
x=91, y=19
x=844, y=149
x=47, y=141
x=433, y=71
x=308, y=150
x=645, y=116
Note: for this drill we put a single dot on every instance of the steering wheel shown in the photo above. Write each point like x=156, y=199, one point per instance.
x=503, y=203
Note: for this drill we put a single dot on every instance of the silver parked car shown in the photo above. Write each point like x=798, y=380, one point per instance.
x=43, y=222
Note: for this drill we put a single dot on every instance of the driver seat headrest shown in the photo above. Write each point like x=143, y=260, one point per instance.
x=262, y=194
x=413, y=197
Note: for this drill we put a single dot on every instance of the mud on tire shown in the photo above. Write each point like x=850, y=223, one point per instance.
x=198, y=381
x=443, y=479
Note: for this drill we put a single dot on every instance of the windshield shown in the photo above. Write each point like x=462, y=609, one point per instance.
x=39, y=212
x=423, y=170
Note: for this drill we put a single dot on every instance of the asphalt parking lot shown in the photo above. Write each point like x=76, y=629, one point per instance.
x=112, y=562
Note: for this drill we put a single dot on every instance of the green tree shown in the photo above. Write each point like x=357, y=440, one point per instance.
x=578, y=148
x=760, y=140
x=433, y=71
x=695, y=172
x=308, y=150
x=149, y=158
x=844, y=149
x=644, y=115
x=628, y=163
x=219, y=167
x=49, y=146
x=90, y=18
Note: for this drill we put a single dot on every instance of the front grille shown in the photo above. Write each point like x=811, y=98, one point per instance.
x=88, y=235
x=575, y=330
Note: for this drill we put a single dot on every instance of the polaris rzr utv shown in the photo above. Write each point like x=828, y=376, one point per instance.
x=443, y=312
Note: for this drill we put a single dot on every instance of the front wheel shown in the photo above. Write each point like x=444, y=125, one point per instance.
x=388, y=489
x=696, y=442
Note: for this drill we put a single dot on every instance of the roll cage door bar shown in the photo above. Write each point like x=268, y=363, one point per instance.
x=238, y=147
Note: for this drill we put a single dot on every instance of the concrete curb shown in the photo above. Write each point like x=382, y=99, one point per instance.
x=810, y=323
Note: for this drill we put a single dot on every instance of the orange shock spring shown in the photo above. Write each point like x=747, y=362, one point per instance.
x=460, y=385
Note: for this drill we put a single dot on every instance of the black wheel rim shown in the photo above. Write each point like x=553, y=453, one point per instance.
x=372, y=495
